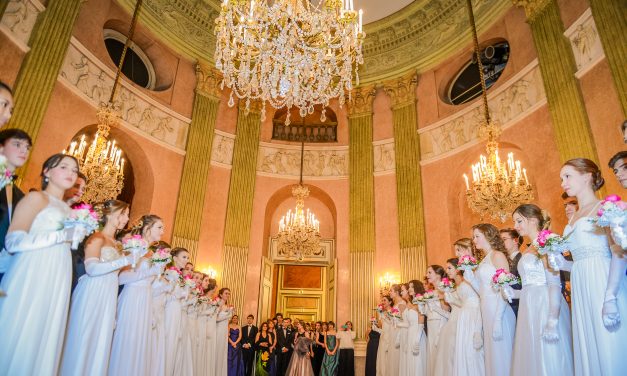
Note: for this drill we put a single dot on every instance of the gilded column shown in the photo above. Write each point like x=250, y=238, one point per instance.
x=610, y=17
x=40, y=68
x=411, y=228
x=190, y=203
x=239, y=209
x=361, y=208
x=557, y=65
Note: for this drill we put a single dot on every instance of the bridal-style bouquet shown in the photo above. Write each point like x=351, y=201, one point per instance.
x=503, y=279
x=136, y=245
x=446, y=285
x=429, y=295
x=550, y=244
x=173, y=274
x=394, y=313
x=161, y=256
x=466, y=262
x=85, y=217
x=189, y=282
x=379, y=309
x=612, y=214
x=6, y=175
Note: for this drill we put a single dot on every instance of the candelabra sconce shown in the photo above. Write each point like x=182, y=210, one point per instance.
x=385, y=283
x=211, y=272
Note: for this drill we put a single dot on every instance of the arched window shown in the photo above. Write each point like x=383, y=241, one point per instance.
x=137, y=67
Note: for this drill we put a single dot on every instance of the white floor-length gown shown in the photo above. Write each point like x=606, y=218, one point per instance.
x=412, y=334
x=394, y=353
x=222, y=327
x=33, y=315
x=442, y=362
x=184, y=362
x=91, y=322
x=173, y=317
x=200, y=334
x=436, y=319
x=533, y=355
x=210, y=348
x=384, y=345
x=132, y=339
x=160, y=290
x=498, y=353
x=468, y=360
x=597, y=351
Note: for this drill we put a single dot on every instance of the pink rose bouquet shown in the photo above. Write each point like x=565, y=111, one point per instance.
x=380, y=309
x=189, y=282
x=466, y=262
x=6, y=175
x=83, y=216
x=502, y=278
x=550, y=244
x=612, y=215
x=173, y=274
x=161, y=256
x=394, y=313
x=136, y=245
x=446, y=285
x=429, y=295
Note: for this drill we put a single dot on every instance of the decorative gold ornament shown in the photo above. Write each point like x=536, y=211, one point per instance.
x=497, y=187
x=289, y=52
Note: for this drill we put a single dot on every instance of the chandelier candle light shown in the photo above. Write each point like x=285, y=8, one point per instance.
x=289, y=52
x=497, y=187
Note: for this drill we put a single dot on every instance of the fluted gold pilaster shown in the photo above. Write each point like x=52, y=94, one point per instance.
x=411, y=227
x=361, y=207
x=610, y=17
x=240, y=203
x=40, y=68
x=190, y=203
x=557, y=64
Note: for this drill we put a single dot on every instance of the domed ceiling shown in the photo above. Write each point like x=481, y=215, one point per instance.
x=400, y=34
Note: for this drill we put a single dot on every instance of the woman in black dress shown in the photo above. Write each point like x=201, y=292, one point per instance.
x=372, y=349
x=318, y=348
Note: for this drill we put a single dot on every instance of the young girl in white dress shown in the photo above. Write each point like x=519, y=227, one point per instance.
x=210, y=313
x=413, y=342
x=393, y=356
x=383, y=328
x=202, y=351
x=499, y=322
x=543, y=341
x=225, y=312
x=161, y=289
x=132, y=339
x=437, y=312
x=184, y=362
x=174, y=311
x=598, y=282
x=94, y=301
x=33, y=315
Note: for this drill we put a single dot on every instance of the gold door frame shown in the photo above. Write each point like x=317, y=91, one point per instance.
x=306, y=304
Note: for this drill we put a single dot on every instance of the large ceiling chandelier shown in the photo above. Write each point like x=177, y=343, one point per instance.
x=497, y=186
x=289, y=52
x=102, y=162
x=299, y=230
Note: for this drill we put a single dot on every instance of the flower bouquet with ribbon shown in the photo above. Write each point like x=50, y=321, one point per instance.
x=136, y=246
x=430, y=296
x=84, y=217
x=420, y=301
x=161, y=256
x=6, y=175
x=379, y=309
x=446, y=285
x=395, y=314
x=550, y=244
x=503, y=280
x=466, y=262
x=612, y=214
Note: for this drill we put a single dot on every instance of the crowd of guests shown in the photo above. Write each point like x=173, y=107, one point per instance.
x=522, y=329
x=282, y=346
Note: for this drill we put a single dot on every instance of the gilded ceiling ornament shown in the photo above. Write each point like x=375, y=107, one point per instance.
x=402, y=90
x=208, y=80
x=360, y=102
x=533, y=8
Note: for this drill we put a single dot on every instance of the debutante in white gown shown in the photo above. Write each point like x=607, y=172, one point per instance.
x=132, y=339
x=173, y=317
x=222, y=327
x=441, y=362
x=532, y=354
x=436, y=319
x=498, y=353
x=210, y=347
x=160, y=290
x=597, y=351
x=34, y=313
x=200, y=350
x=394, y=352
x=184, y=362
x=413, y=351
x=92, y=320
x=385, y=342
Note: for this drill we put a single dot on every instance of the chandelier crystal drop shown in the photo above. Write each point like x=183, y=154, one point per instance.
x=289, y=52
x=497, y=187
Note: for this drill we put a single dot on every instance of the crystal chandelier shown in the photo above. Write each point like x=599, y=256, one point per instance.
x=102, y=162
x=289, y=52
x=497, y=187
x=299, y=230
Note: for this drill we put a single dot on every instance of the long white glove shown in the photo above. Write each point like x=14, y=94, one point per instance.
x=610, y=312
x=436, y=308
x=415, y=346
x=21, y=241
x=469, y=276
x=497, y=329
x=377, y=329
x=507, y=292
x=134, y=275
x=452, y=299
x=560, y=262
x=550, y=333
x=94, y=267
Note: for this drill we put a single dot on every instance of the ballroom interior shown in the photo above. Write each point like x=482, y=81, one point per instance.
x=384, y=168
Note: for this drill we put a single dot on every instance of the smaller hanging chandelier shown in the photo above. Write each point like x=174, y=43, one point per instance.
x=299, y=230
x=497, y=187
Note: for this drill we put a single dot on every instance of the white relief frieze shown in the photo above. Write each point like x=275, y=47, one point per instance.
x=222, y=149
x=509, y=103
x=585, y=42
x=93, y=81
x=384, y=157
x=19, y=19
x=285, y=161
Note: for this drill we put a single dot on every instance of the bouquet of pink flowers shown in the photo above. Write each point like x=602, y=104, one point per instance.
x=83, y=216
x=394, y=313
x=380, y=309
x=612, y=214
x=6, y=175
x=550, y=244
x=502, y=278
x=173, y=274
x=189, y=282
x=466, y=262
x=446, y=285
x=136, y=245
x=429, y=295
x=161, y=256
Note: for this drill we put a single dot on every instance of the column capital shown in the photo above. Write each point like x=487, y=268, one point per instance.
x=402, y=90
x=247, y=106
x=209, y=80
x=533, y=8
x=360, y=102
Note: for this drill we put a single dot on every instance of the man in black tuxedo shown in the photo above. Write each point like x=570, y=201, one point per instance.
x=249, y=332
x=14, y=146
x=513, y=241
x=285, y=342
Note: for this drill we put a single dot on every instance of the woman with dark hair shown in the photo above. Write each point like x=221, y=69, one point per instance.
x=499, y=322
x=222, y=321
x=318, y=347
x=94, y=301
x=331, y=357
x=161, y=289
x=543, y=342
x=346, y=364
x=437, y=311
x=33, y=315
x=412, y=340
x=386, y=341
x=393, y=358
x=300, y=362
x=598, y=283
x=235, y=360
x=208, y=313
x=263, y=344
x=130, y=351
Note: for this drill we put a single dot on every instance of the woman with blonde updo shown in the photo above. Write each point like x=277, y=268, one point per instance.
x=132, y=339
x=598, y=283
x=543, y=341
x=94, y=301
